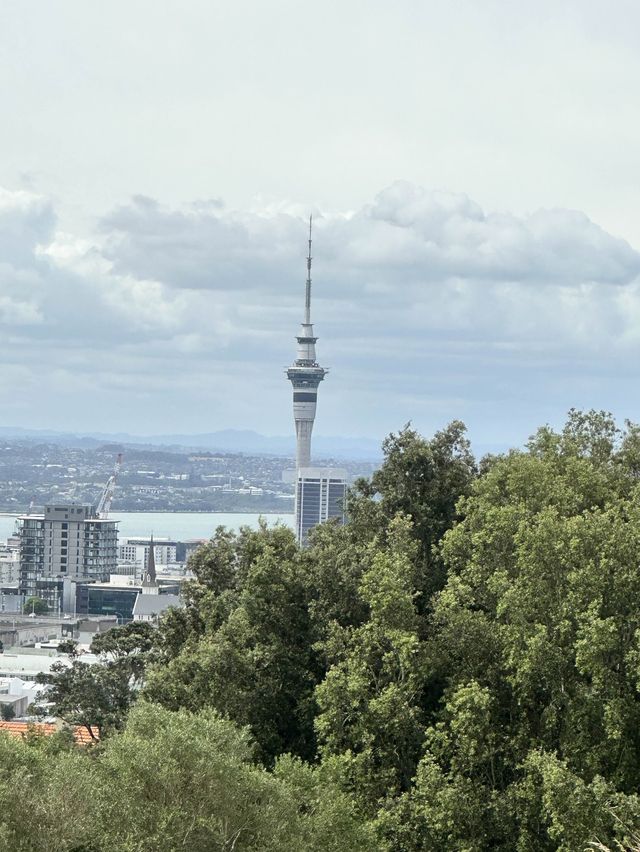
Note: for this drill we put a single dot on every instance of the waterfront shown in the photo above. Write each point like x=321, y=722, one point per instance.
x=180, y=526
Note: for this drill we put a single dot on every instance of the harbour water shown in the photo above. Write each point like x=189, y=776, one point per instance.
x=180, y=526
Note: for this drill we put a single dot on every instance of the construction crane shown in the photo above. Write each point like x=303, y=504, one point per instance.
x=104, y=504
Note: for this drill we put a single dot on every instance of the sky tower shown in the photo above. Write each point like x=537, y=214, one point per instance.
x=305, y=374
x=320, y=491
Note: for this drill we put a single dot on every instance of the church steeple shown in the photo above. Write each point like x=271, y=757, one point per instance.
x=149, y=584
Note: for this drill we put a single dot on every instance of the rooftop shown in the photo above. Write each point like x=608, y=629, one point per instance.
x=41, y=517
x=154, y=604
x=22, y=729
x=28, y=665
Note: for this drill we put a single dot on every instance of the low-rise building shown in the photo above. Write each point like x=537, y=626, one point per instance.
x=18, y=694
x=151, y=607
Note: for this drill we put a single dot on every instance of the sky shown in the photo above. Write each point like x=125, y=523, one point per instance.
x=471, y=168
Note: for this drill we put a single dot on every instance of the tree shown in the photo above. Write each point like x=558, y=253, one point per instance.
x=7, y=712
x=128, y=649
x=251, y=655
x=170, y=780
x=534, y=639
x=35, y=606
x=252, y=640
x=99, y=697
x=423, y=479
x=94, y=696
x=370, y=724
x=47, y=798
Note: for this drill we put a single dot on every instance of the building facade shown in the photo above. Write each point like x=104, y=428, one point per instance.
x=66, y=541
x=320, y=496
x=119, y=599
x=10, y=563
x=133, y=554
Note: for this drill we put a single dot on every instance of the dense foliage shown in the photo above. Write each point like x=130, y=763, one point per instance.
x=458, y=668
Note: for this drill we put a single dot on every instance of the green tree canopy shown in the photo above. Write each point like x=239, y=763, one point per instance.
x=35, y=606
x=535, y=640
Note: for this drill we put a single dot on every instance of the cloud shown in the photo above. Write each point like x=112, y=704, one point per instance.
x=426, y=306
x=203, y=246
x=27, y=221
x=447, y=236
x=427, y=235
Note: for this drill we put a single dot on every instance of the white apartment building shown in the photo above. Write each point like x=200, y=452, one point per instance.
x=9, y=564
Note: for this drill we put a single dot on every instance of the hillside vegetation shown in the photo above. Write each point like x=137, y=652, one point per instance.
x=456, y=670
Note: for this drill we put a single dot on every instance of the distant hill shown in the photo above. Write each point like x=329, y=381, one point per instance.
x=227, y=440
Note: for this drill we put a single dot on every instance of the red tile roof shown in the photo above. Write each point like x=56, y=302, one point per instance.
x=21, y=729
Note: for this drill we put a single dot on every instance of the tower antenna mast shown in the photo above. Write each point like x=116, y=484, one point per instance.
x=307, y=299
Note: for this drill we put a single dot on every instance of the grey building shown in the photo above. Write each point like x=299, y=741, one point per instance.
x=320, y=496
x=320, y=492
x=66, y=541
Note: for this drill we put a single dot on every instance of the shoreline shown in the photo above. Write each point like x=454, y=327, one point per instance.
x=167, y=512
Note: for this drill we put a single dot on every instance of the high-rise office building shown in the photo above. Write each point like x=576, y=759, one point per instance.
x=66, y=541
x=320, y=496
x=320, y=492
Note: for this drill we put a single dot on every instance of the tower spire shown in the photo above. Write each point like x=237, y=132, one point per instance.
x=307, y=297
x=149, y=580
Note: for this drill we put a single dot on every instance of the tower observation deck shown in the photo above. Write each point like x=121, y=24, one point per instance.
x=305, y=374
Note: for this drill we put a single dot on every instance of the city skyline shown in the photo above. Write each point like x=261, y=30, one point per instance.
x=434, y=309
